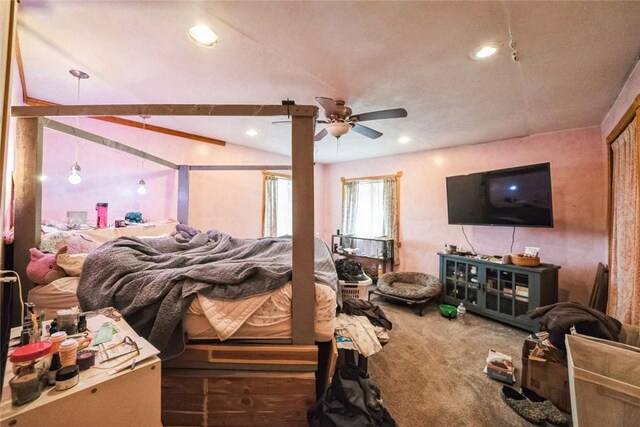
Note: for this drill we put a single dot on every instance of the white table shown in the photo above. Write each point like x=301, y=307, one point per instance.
x=130, y=397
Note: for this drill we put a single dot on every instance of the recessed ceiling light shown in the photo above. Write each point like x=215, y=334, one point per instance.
x=252, y=132
x=43, y=178
x=404, y=139
x=484, y=51
x=203, y=36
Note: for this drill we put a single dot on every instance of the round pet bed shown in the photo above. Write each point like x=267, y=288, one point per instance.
x=409, y=285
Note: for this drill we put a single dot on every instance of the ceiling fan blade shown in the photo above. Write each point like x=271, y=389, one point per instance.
x=320, y=135
x=366, y=131
x=328, y=104
x=377, y=115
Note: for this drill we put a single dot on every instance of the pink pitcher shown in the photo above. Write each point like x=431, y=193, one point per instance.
x=101, y=208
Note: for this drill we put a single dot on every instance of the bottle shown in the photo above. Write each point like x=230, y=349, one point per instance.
x=462, y=312
x=53, y=368
x=380, y=272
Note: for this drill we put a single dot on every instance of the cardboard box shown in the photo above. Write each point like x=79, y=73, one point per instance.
x=549, y=379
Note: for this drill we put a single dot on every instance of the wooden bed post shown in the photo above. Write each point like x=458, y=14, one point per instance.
x=183, y=194
x=28, y=197
x=304, y=291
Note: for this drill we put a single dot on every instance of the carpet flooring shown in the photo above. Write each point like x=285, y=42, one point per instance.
x=430, y=373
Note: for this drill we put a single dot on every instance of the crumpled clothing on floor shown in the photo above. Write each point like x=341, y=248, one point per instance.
x=352, y=400
x=360, y=331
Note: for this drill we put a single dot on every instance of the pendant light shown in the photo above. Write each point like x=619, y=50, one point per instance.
x=142, y=186
x=74, y=177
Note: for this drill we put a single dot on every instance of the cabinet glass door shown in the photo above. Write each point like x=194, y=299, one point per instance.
x=499, y=288
x=522, y=284
x=461, y=281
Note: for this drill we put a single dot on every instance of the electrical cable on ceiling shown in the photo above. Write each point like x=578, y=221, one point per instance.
x=513, y=236
x=467, y=239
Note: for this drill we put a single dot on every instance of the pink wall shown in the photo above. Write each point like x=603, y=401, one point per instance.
x=578, y=167
x=229, y=201
x=629, y=92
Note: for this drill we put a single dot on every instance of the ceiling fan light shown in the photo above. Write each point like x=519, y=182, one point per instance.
x=337, y=129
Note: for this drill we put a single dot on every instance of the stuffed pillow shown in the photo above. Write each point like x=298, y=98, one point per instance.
x=42, y=269
x=70, y=263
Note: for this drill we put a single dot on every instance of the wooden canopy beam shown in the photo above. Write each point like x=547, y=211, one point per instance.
x=92, y=137
x=166, y=110
x=239, y=167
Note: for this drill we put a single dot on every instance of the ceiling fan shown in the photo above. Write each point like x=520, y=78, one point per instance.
x=340, y=119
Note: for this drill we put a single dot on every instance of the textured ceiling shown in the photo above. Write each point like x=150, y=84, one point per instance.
x=573, y=60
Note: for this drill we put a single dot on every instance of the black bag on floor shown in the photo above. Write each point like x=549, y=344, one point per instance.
x=352, y=400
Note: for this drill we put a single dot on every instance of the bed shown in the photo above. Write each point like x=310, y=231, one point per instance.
x=258, y=382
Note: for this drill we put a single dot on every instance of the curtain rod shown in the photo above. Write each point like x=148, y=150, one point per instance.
x=372, y=178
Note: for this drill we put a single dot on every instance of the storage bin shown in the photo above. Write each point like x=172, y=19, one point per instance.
x=355, y=290
x=604, y=381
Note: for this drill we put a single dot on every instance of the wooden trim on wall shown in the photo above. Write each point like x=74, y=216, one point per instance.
x=624, y=121
x=111, y=119
x=632, y=113
x=159, y=129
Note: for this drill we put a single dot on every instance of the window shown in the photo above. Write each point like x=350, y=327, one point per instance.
x=371, y=206
x=276, y=210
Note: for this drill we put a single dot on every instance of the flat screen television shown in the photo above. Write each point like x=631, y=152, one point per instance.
x=518, y=196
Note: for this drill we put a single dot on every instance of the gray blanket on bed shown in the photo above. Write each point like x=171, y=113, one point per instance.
x=152, y=282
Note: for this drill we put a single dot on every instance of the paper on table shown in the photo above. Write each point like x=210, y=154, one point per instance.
x=94, y=323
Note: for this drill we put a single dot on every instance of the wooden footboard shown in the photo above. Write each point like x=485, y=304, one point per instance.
x=243, y=385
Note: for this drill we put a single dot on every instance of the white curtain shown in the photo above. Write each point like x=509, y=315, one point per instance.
x=371, y=209
x=350, y=207
x=390, y=204
x=270, y=224
x=624, y=271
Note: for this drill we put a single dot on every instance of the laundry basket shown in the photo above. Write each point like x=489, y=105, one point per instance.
x=355, y=290
x=604, y=382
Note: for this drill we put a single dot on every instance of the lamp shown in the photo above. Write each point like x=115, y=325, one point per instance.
x=337, y=129
x=141, y=187
x=75, y=177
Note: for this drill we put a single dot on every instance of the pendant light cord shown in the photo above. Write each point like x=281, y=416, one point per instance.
x=77, y=118
x=144, y=145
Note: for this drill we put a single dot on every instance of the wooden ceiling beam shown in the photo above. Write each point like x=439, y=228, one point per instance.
x=111, y=119
x=131, y=123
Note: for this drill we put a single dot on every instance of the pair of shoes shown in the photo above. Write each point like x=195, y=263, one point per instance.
x=554, y=415
x=533, y=407
x=523, y=406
